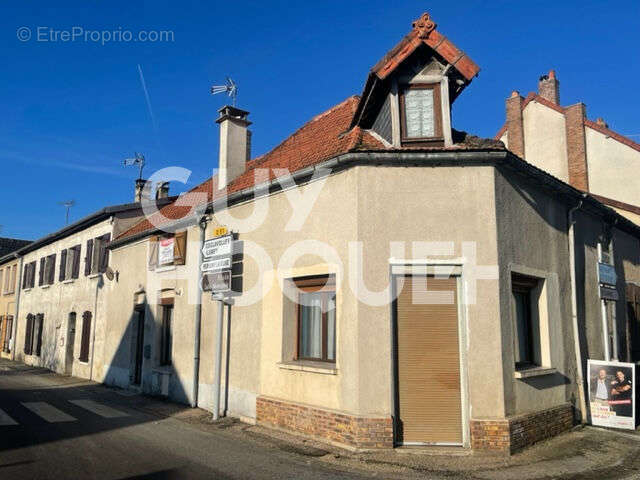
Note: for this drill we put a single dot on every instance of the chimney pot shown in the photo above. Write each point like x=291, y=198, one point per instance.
x=141, y=191
x=549, y=87
x=235, y=144
x=162, y=190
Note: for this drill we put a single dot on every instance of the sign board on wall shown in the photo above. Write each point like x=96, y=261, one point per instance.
x=612, y=394
x=216, y=265
x=217, y=247
x=219, y=282
x=165, y=251
x=607, y=274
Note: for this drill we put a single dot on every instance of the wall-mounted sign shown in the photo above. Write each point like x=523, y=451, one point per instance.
x=608, y=293
x=216, y=265
x=612, y=394
x=217, y=247
x=220, y=231
x=607, y=274
x=165, y=251
x=219, y=282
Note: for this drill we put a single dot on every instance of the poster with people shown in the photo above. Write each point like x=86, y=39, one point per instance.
x=612, y=394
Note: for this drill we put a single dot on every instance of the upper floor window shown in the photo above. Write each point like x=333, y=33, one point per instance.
x=96, y=258
x=421, y=113
x=29, y=275
x=167, y=250
x=70, y=263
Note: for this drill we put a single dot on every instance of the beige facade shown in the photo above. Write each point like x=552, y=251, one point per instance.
x=9, y=285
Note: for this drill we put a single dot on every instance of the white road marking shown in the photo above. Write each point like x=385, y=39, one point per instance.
x=48, y=412
x=99, y=409
x=6, y=420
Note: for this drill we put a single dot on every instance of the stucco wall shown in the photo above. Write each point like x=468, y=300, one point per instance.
x=8, y=300
x=58, y=300
x=611, y=166
x=545, y=142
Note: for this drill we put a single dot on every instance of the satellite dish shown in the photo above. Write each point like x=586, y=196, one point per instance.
x=109, y=273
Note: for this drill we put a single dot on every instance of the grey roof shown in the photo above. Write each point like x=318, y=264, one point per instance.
x=9, y=245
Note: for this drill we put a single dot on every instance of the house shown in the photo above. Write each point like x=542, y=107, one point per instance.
x=61, y=310
x=560, y=139
x=9, y=268
x=401, y=282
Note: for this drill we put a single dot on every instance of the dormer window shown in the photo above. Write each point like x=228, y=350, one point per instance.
x=421, y=113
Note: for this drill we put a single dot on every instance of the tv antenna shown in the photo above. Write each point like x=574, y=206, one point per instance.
x=137, y=160
x=67, y=204
x=230, y=89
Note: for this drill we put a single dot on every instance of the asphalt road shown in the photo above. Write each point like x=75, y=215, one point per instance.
x=54, y=427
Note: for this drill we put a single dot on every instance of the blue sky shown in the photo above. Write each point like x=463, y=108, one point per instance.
x=72, y=111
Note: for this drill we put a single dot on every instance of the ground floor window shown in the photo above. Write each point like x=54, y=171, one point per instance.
x=316, y=339
x=7, y=332
x=167, y=336
x=526, y=336
x=86, y=337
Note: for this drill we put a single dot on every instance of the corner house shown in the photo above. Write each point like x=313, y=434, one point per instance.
x=402, y=282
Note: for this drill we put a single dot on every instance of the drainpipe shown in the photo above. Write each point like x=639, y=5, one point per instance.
x=198, y=319
x=14, y=327
x=94, y=321
x=574, y=312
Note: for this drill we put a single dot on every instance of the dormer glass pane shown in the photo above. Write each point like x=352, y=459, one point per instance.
x=419, y=113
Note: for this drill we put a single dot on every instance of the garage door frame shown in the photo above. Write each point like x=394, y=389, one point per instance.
x=400, y=268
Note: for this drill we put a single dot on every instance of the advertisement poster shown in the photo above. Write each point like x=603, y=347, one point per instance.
x=612, y=394
x=165, y=251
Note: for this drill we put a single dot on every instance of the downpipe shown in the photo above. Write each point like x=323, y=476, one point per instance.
x=574, y=312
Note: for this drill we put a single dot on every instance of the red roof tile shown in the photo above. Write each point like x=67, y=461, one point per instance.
x=323, y=137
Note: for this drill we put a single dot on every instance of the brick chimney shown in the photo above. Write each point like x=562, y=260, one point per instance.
x=162, y=190
x=235, y=144
x=549, y=87
x=576, y=146
x=515, y=124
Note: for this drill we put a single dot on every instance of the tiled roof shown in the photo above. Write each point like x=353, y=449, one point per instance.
x=9, y=245
x=323, y=137
x=424, y=32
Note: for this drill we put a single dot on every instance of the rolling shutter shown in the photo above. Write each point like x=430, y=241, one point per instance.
x=63, y=266
x=428, y=362
x=153, y=252
x=87, y=258
x=180, y=248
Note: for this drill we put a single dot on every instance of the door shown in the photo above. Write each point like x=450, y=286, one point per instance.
x=3, y=332
x=8, y=335
x=428, y=390
x=137, y=375
x=71, y=341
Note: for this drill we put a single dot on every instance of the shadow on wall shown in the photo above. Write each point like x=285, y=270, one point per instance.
x=136, y=362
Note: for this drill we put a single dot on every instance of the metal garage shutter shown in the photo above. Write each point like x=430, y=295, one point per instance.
x=428, y=362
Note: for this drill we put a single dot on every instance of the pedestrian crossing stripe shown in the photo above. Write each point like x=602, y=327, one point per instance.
x=6, y=420
x=99, y=409
x=48, y=412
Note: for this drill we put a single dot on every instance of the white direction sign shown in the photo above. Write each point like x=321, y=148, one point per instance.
x=217, y=247
x=216, y=265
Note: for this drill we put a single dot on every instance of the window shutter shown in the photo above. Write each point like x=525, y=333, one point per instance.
x=63, y=265
x=40, y=329
x=52, y=269
x=153, y=252
x=32, y=275
x=87, y=258
x=75, y=271
x=180, y=248
x=104, y=253
x=41, y=272
x=86, y=336
x=27, y=335
x=25, y=276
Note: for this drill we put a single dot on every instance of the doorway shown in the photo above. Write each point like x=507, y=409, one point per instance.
x=139, y=346
x=429, y=407
x=71, y=341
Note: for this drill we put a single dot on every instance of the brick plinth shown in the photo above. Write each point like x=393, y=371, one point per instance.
x=354, y=431
x=514, y=433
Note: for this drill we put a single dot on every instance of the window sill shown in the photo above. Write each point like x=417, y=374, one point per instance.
x=83, y=363
x=94, y=275
x=70, y=280
x=45, y=286
x=312, y=367
x=27, y=289
x=165, y=268
x=534, y=372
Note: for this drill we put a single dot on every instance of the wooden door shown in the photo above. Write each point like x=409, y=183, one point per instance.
x=429, y=402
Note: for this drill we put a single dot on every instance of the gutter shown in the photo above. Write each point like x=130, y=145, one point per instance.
x=405, y=158
x=574, y=311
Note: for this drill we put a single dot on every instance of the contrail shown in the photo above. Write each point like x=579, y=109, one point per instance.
x=146, y=96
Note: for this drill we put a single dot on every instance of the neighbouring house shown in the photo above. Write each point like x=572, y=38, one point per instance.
x=563, y=141
x=402, y=282
x=9, y=268
x=61, y=309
